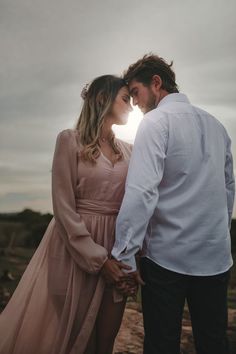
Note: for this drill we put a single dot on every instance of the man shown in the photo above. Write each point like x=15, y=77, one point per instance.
x=177, y=208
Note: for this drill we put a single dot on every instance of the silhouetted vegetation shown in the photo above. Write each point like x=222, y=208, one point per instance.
x=23, y=229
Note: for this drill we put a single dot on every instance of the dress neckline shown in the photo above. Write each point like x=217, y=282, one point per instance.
x=108, y=160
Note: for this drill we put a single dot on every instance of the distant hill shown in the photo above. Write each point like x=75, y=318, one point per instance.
x=25, y=214
x=23, y=229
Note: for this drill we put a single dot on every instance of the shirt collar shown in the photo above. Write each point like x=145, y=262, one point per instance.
x=173, y=97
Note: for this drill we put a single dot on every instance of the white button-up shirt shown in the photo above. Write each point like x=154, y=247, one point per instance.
x=179, y=192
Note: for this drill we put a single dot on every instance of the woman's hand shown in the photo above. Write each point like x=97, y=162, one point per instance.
x=129, y=286
x=112, y=271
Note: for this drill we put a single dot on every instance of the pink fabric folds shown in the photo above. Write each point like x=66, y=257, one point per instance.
x=53, y=310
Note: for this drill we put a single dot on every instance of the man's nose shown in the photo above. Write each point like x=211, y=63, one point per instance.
x=130, y=108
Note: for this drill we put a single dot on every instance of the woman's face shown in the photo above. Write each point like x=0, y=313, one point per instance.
x=121, y=107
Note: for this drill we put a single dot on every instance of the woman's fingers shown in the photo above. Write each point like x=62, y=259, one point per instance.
x=124, y=266
x=112, y=271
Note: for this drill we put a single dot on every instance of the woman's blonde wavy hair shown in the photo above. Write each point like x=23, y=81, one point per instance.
x=98, y=102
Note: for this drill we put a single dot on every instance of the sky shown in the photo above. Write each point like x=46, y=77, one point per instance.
x=51, y=48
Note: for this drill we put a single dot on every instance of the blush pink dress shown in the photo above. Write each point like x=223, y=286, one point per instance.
x=54, y=308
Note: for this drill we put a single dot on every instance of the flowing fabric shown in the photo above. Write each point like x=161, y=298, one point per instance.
x=54, y=307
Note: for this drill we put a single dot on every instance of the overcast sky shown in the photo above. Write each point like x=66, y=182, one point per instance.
x=51, y=48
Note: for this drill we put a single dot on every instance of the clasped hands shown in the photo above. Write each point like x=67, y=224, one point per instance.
x=125, y=283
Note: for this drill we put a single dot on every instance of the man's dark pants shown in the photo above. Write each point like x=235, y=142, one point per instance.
x=163, y=299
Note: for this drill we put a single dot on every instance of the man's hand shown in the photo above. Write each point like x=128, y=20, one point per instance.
x=112, y=271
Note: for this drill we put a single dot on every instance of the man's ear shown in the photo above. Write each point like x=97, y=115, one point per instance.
x=157, y=82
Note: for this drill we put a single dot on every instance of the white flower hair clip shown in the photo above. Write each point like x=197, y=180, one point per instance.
x=84, y=91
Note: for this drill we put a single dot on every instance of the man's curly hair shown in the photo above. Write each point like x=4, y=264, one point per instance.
x=144, y=70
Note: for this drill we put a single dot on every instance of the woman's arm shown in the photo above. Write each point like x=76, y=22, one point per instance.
x=87, y=254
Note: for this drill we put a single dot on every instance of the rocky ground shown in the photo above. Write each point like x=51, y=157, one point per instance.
x=130, y=337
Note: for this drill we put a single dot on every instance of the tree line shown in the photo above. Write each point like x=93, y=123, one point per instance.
x=23, y=229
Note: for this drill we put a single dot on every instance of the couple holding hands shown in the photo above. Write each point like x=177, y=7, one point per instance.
x=167, y=200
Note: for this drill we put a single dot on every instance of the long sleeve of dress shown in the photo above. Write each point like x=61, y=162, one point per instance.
x=89, y=255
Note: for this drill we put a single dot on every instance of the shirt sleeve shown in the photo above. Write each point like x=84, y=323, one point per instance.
x=229, y=180
x=141, y=195
x=89, y=255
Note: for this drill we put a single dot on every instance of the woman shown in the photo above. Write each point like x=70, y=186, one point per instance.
x=62, y=304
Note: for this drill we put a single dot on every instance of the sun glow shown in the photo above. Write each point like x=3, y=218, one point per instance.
x=127, y=132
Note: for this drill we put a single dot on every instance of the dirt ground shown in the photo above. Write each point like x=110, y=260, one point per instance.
x=130, y=337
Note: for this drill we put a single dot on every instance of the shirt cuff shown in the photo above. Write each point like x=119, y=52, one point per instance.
x=125, y=258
